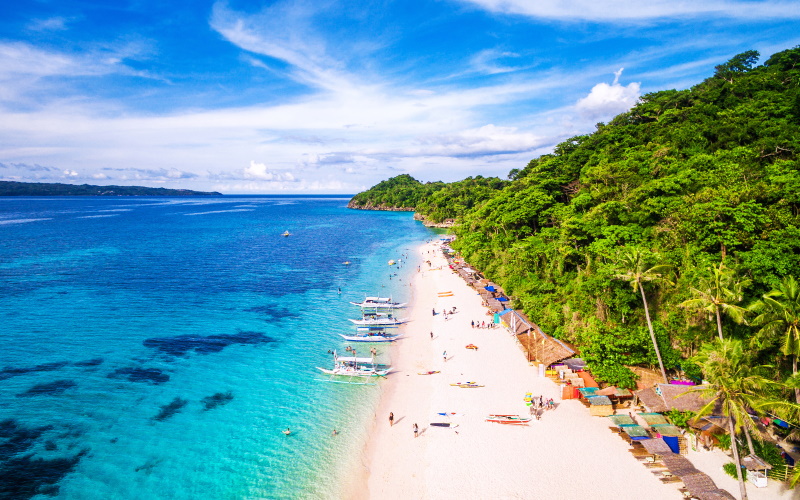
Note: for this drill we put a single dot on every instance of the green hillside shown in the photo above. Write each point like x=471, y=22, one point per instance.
x=694, y=180
x=11, y=188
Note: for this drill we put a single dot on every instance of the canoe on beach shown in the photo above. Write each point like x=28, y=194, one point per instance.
x=432, y=372
x=508, y=419
x=443, y=424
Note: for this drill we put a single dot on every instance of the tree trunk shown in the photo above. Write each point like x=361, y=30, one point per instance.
x=652, y=334
x=749, y=441
x=736, y=462
x=794, y=371
x=719, y=321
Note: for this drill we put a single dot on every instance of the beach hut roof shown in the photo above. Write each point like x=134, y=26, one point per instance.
x=752, y=462
x=622, y=419
x=599, y=400
x=665, y=397
x=656, y=446
x=576, y=364
x=495, y=305
x=667, y=430
x=653, y=418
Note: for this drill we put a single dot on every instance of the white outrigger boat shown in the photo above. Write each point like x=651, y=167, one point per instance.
x=379, y=303
x=372, y=334
x=379, y=320
x=355, y=368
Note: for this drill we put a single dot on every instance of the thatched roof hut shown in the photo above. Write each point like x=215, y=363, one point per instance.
x=665, y=397
x=538, y=345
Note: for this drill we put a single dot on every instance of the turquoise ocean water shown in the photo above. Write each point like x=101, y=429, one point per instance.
x=156, y=348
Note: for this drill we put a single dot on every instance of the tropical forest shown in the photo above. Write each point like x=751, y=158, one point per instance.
x=667, y=238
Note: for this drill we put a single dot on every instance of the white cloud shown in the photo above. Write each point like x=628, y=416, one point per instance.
x=615, y=11
x=259, y=171
x=605, y=101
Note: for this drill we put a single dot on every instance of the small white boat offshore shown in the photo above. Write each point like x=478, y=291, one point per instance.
x=379, y=303
x=354, y=368
x=286, y=233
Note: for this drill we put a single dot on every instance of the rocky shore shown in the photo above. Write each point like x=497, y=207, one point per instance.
x=425, y=222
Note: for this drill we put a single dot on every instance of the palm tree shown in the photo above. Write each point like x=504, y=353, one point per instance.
x=719, y=293
x=632, y=261
x=779, y=317
x=735, y=388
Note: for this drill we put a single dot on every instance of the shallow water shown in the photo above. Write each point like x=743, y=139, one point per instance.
x=156, y=348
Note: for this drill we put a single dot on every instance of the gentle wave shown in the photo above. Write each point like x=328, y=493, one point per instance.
x=23, y=221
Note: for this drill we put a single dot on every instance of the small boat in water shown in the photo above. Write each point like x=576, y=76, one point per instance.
x=508, y=419
x=286, y=233
x=379, y=303
x=355, y=368
x=372, y=334
x=378, y=319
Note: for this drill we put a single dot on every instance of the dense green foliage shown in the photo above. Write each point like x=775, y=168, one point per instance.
x=436, y=200
x=693, y=178
x=10, y=188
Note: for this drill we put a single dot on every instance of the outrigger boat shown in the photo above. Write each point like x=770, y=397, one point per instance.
x=508, y=419
x=371, y=334
x=355, y=368
x=378, y=319
x=379, y=303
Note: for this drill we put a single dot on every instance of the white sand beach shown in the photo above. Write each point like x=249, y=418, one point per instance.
x=566, y=455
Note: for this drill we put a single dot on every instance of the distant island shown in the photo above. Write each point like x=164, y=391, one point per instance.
x=11, y=188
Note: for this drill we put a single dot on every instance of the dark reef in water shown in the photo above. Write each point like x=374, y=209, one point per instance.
x=183, y=344
x=50, y=388
x=273, y=313
x=218, y=399
x=89, y=362
x=148, y=375
x=26, y=477
x=16, y=438
x=171, y=409
x=148, y=466
x=9, y=372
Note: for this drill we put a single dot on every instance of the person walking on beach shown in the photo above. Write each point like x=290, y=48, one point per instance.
x=391, y=419
x=416, y=430
x=473, y=323
x=444, y=355
x=431, y=334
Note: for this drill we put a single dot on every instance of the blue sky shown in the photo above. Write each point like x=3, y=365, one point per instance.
x=334, y=96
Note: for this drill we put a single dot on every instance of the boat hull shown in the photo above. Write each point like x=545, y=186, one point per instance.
x=370, y=338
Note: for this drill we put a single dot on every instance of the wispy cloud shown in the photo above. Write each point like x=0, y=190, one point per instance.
x=49, y=24
x=616, y=11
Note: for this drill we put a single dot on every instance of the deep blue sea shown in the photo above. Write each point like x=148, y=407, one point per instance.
x=155, y=348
